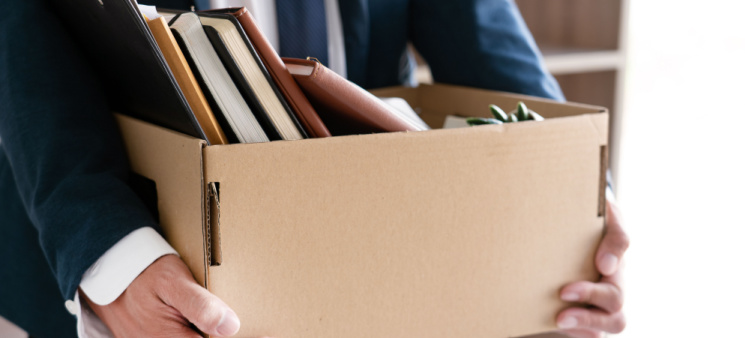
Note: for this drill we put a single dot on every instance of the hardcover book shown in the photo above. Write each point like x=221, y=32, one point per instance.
x=223, y=95
x=278, y=71
x=248, y=73
x=186, y=80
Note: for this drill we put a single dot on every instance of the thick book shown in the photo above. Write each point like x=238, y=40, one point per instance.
x=225, y=100
x=277, y=69
x=251, y=77
x=123, y=52
x=345, y=107
x=186, y=80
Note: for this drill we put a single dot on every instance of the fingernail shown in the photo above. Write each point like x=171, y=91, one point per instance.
x=567, y=323
x=570, y=297
x=229, y=324
x=608, y=264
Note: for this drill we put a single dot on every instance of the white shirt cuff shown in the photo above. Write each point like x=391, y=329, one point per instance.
x=89, y=325
x=112, y=273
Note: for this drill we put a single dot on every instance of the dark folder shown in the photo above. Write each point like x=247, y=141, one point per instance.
x=116, y=39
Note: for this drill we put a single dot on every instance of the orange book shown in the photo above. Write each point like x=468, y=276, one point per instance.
x=186, y=80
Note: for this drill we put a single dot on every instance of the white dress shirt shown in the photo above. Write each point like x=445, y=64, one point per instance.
x=265, y=13
x=112, y=273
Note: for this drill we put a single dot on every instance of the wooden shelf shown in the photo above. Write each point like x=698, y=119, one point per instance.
x=574, y=23
x=568, y=60
x=583, y=44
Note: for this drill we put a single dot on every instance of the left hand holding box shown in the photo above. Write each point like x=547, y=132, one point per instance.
x=605, y=296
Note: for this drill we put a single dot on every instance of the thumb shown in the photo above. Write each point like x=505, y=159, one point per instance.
x=614, y=243
x=203, y=309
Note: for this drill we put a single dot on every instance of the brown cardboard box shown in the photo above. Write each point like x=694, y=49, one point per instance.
x=443, y=233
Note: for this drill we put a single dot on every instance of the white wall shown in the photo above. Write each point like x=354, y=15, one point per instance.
x=683, y=168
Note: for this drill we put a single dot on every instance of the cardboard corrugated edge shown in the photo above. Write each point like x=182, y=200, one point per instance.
x=272, y=233
x=174, y=161
x=600, y=122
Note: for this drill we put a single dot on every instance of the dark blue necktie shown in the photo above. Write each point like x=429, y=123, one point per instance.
x=302, y=29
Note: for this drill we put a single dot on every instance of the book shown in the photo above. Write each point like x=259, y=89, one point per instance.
x=297, y=101
x=345, y=107
x=236, y=118
x=121, y=49
x=186, y=80
x=251, y=77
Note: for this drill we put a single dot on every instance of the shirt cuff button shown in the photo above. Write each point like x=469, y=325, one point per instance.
x=71, y=308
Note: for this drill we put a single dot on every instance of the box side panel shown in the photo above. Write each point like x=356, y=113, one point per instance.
x=444, y=233
x=174, y=162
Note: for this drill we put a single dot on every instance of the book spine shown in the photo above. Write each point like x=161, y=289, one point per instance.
x=219, y=115
x=300, y=105
x=273, y=85
x=243, y=87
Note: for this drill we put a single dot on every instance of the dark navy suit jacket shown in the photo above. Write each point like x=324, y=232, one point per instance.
x=64, y=192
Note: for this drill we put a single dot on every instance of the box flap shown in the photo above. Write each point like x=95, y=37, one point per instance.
x=174, y=161
x=435, y=102
x=443, y=233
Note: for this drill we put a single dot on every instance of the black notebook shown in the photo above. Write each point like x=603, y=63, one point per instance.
x=251, y=77
x=235, y=116
x=117, y=42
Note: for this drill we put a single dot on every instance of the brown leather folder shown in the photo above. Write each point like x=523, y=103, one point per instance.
x=284, y=81
x=344, y=107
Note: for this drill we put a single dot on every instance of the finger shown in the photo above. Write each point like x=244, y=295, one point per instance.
x=203, y=309
x=183, y=331
x=606, y=296
x=614, y=243
x=592, y=319
x=617, y=277
x=579, y=333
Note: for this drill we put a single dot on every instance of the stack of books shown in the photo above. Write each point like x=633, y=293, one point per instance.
x=214, y=75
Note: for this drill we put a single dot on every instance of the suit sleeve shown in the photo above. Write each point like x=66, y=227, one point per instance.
x=480, y=43
x=62, y=143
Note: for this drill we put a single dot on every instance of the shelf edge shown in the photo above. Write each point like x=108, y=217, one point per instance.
x=583, y=62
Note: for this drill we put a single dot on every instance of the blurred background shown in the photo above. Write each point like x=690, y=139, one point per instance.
x=672, y=73
x=681, y=167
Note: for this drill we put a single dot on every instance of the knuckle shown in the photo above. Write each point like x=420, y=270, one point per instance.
x=204, y=311
x=589, y=294
x=615, y=305
x=619, y=242
x=624, y=241
x=584, y=319
x=592, y=320
x=616, y=300
x=619, y=323
x=595, y=334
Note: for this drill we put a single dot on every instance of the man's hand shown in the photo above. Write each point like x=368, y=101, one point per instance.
x=605, y=297
x=163, y=301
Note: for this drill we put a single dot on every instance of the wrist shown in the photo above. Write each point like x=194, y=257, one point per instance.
x=114, y=271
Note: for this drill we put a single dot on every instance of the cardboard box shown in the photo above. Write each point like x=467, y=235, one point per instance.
x=442, y=233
